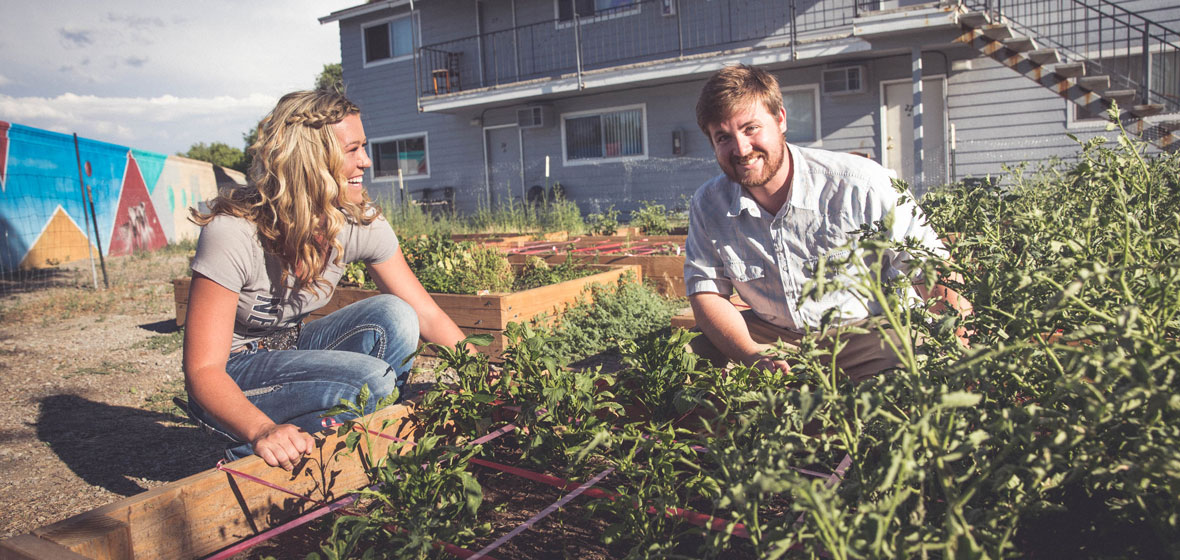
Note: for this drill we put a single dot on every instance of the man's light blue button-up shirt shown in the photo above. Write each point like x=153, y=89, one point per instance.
x=735, y=244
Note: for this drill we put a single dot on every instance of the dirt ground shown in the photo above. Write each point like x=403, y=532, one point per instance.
x=86, y=380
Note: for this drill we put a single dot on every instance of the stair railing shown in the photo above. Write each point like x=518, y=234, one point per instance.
x=1135, y=52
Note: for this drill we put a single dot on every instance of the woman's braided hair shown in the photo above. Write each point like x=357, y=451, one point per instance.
x=294, y=193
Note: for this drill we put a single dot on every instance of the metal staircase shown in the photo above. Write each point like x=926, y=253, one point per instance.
x=1093, y=52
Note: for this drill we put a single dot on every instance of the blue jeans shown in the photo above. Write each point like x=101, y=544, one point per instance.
x=365, y=343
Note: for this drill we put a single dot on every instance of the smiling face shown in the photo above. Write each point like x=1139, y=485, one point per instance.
x=351, y=135
x=750, y=147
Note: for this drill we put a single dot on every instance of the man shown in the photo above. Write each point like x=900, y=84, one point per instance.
x=761, y=226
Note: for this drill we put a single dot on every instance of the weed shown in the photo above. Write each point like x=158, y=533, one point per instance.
x=163, y=343
x=651, y=218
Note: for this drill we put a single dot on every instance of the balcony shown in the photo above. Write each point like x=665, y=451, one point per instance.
x=637, y=42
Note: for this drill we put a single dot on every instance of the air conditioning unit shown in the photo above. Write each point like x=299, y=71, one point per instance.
x=533, y=117
x=845, y=80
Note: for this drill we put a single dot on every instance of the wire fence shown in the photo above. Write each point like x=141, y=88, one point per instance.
x=48, y=235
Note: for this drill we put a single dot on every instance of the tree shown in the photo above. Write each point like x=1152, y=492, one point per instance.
x=331, y=78
x=218, y=153
x=248, y=157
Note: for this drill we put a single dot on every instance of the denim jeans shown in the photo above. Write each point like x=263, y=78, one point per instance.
x=365, y=343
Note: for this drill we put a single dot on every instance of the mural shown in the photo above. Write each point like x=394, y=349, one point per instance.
x=140, y=199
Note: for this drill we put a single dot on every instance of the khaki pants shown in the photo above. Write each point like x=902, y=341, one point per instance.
x=863, y=356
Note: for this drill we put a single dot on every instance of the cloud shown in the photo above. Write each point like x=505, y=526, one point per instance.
x=76, y=38
x=136, y=61
x=165, y=123
x=4, y=80
x=133, y=21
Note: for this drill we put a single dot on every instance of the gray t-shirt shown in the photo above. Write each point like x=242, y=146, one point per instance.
x=230, y=253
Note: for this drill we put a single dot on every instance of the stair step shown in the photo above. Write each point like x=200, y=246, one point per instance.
x=975, y=20
x=1147, y=109
x=1170, y=126
x=1042, y=57
x=1070, y=69
x=1094, y=83
x=1123, y=97
x=997, y=31
x=1020, y=44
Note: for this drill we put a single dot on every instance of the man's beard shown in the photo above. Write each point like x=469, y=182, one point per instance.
x=771, y=163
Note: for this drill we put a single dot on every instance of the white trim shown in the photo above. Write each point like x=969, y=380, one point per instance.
x=365, y=63
x=815, y=97
x=592, y=161
x=426, y=148
x=636, y=8
x=372, y=6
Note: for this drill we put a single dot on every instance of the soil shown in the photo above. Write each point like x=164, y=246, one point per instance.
x=87, y=379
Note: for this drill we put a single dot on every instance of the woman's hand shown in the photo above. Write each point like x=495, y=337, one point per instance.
x=282, y=445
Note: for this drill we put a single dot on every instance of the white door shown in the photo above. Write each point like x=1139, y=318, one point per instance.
x=504, y=178
x=899, y=132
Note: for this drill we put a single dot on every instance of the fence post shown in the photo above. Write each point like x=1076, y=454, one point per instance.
x=578, y=46
x=1146, y=87
x=679, y=27
x=82, y=186
x=794, y=34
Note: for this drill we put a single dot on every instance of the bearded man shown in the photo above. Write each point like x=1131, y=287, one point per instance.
x=762, y=225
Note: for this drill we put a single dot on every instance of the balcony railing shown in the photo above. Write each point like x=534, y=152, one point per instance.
x=1135, y=52
x=644, y=30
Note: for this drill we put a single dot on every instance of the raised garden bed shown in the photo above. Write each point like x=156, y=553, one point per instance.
x=228, y=509
x=475, y=314
x=661, y=257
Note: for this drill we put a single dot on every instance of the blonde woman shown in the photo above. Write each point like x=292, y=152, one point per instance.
x=271, y=253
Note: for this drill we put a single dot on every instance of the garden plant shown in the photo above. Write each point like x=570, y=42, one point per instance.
x=1054, y=433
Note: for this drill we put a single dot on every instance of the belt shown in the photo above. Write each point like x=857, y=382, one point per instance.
x=282, y=339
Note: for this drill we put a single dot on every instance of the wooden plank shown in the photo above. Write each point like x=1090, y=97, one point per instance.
x=666, y=271
x=206, y=512
x=29, y=547
x=491, y=311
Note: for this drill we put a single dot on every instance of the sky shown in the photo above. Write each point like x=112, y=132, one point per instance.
x=159, y=75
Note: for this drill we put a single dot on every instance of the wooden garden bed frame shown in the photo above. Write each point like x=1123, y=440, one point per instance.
x=666, y=271
x=475, y=314
x=206, y=512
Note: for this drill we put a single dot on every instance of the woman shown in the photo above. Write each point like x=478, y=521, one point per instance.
x=272, y=252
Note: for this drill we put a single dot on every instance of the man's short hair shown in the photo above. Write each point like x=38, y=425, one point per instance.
x=731, y=89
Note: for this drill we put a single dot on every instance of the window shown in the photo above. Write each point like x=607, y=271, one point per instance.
x=407, y=153
x=388, y=40
x=802, y=106
x=611, y=135
x=595, y=8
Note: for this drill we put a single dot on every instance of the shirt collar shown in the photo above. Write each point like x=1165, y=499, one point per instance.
x=804, y=194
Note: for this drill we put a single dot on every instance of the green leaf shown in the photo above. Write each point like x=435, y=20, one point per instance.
x=960, y=399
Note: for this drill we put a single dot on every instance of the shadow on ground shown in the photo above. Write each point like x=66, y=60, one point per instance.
x=161, y=327
x=111, y=446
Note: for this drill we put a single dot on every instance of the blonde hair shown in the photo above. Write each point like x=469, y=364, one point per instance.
x=731, y=89
x=294, y=193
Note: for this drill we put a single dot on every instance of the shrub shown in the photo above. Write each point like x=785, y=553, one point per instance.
x=651, y=219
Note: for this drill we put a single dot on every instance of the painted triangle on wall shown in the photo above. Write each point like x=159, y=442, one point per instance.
x=137, y=227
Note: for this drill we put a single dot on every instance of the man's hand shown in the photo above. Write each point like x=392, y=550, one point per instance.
x=769, y=363
x=281, y=445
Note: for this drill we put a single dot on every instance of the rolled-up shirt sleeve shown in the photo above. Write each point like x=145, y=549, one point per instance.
x=703, y=268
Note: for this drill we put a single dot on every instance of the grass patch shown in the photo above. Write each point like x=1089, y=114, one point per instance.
x=164, y=343
x=161, y=400
x=106, y=368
